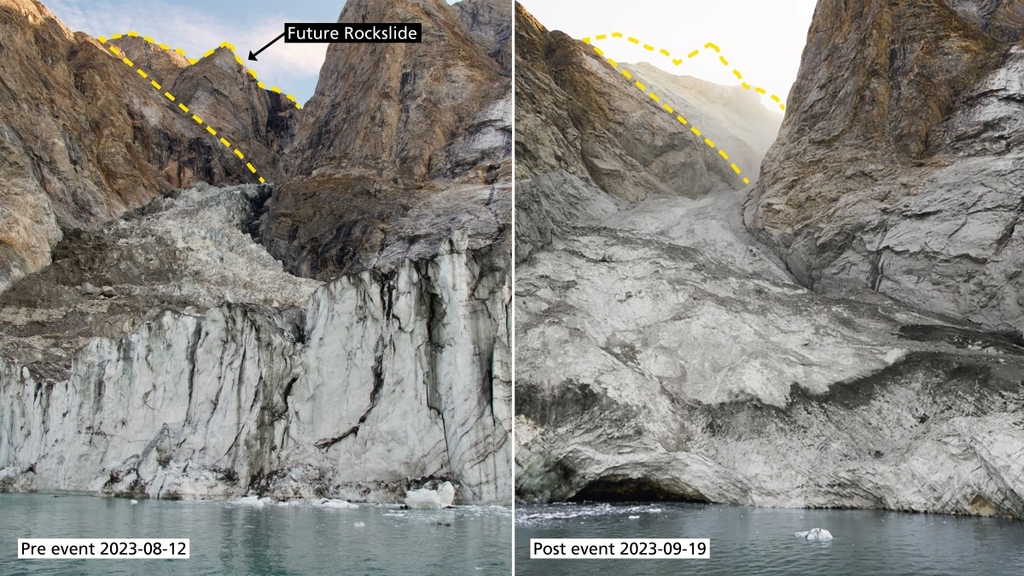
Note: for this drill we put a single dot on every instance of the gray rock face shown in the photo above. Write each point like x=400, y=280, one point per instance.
x=689, y=366
x=357, y=388
x=917, y=196
x=664, y=352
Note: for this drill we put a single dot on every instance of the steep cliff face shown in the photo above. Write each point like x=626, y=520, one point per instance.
x=85, y=139
x=586, y=137
x=896, y=168
x=664, y=352
x=204, y=370
x=167, y=353
x=400, y=145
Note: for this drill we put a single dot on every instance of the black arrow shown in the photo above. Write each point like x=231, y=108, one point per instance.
x=253, y=56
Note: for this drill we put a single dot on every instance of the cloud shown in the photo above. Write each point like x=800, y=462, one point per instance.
x=292, y=67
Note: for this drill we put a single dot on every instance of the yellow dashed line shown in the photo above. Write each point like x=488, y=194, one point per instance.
x=133, y=34
x=669, y=109
x=613, y=63
x=229, y=46
x=181, y=105
x=598, y=50
x=275, y=89
x=694, y=54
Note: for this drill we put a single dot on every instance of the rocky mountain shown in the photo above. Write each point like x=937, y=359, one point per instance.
x=391, y=177
x=896, y=169
x=171, y=346
x=664, y=352
x=583, y=129
x=85, y=139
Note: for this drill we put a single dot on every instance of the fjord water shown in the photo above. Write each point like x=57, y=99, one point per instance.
x=760, y=541
x=279, y=540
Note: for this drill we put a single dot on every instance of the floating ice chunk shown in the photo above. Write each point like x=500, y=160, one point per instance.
x=253, y=501
x=423, y=499
x=134, y=502
x=426, y=499
x=360, y=525
x=633, y=517
x=446, y=492
x=339, y=504
x=817, y=534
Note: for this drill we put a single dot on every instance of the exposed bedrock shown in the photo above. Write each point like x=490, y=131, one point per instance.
x=854, y=347
x=898, y=167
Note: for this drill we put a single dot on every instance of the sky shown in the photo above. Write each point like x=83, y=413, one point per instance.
x=763, y=39
x=198, y=25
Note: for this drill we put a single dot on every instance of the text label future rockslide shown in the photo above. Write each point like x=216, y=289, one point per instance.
x=353, y=33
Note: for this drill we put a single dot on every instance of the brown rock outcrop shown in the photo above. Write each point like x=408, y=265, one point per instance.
x=400, y=145
x=896, y=167
x=85, y=139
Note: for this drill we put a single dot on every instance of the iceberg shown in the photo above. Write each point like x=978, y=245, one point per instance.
x=816, y=534
x=427, y=499
x=339, y=504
